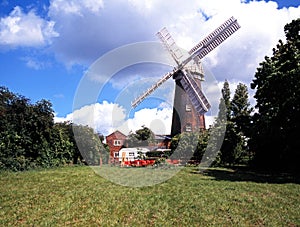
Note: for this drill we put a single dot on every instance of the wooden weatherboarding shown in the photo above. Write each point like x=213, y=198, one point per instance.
x=190, y=103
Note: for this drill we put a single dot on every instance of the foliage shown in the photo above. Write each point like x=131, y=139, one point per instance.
x=90, y=145
x=241, y=110
x=184, y=145
x=202, y=144
x=189, y=146
x=226, y=98
x=235, y=113
x=29, y=138
x=141, y=137
x=275, y=137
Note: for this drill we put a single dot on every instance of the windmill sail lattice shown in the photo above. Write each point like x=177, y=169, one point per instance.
x=170, y=44
x=195, y=94
x=215, y=38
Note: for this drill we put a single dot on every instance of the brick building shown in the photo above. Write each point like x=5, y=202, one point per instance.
x=115, y=142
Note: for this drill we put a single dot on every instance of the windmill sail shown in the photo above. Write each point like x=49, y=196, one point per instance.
x=169, y=43
x=215, y=38
x=151, y=89
x=195, y=94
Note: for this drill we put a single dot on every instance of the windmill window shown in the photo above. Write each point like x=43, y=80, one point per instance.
x=188, y=108
x=116, y=154
x=117, y=142
x=188, y=127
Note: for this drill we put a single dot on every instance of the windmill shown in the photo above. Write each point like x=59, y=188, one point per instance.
x=190, y=103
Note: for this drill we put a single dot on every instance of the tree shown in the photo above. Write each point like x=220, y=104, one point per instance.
x=203, y=139
x=64, y=145
x=241, y=110
x=141, y=137
x=144, y=134
x=26, y=131
x=29, y=138
x=241, y=119
x=235, y=114
x=226, y=155
x=226, y=98
x=90, y=145
x=275, y=137
x=184, y=146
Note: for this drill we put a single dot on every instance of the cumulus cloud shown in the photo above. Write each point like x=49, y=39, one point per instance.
x=88, y=32
x=81, y=31
x=103, y=117
x=107, y=117
x=158, y=120
x=20, y=29
x=262, y=26
x=85, y=30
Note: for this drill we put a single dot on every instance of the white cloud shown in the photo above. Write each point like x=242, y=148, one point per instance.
x=102, y=117
x=209, y=121
x=261, y=28
x=20, y=29
x=87, y=33
x=158, y=120
x=37, y=64
x=88, y=29
x=107, y=117
x=77, y=7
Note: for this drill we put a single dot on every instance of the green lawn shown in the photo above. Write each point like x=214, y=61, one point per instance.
x=76, y=196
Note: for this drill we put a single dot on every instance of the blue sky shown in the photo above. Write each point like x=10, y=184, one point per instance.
x=47, y=49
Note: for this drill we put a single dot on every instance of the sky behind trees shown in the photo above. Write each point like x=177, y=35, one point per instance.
x=46, y=47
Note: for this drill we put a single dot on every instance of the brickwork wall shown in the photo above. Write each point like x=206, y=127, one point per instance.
x=113, y=147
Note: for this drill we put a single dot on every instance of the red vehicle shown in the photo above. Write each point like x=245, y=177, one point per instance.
x=139, y=163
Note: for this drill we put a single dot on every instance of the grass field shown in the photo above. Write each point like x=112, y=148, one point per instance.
x=76, y=196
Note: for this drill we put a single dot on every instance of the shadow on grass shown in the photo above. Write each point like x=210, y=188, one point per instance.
x=241, y=174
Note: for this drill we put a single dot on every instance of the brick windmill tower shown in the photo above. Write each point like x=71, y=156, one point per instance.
x=185, y=117
x=190, y=104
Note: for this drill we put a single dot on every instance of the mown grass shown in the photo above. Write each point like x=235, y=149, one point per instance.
x=76, y=196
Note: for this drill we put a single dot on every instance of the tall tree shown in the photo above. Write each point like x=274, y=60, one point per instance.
x=241, y=119
x=241, y=110
x=226, y=98
x=237, y=111
x=226, y=155
x=277, y=82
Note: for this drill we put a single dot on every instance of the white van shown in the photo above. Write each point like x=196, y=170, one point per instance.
x=131, y=154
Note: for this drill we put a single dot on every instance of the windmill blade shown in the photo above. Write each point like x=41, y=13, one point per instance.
x=139, y=99
x=169, y=44
x=215, y=38
x=195, y=94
